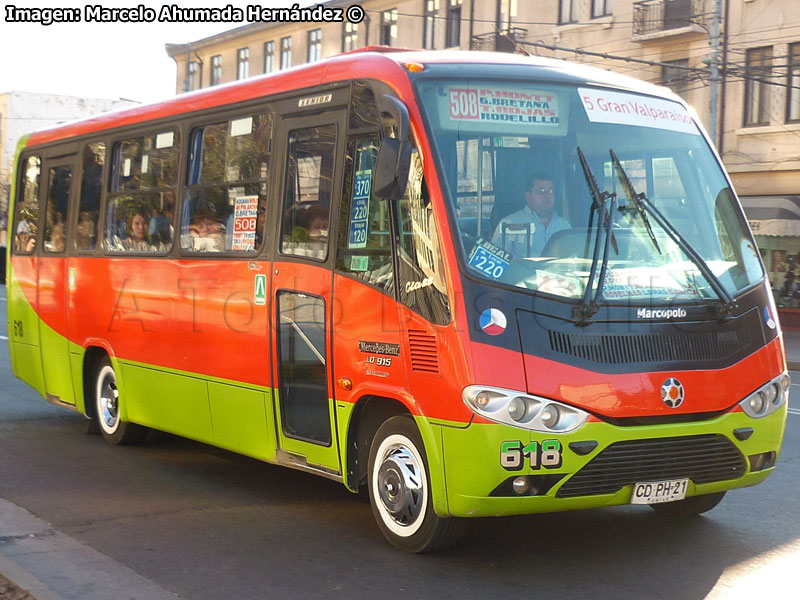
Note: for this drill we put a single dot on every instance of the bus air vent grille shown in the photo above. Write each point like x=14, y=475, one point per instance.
x=422, y=346
x=702, y=458
x=674, y=347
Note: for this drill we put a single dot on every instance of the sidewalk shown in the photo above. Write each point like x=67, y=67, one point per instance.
x=51, y=565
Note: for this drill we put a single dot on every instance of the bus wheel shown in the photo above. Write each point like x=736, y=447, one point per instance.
x=689, y=507
x=399, y=490
x=114, y=430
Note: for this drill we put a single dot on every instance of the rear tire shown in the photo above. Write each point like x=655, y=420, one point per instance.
x=689, y=507
x=107, y=408
x=400, y=490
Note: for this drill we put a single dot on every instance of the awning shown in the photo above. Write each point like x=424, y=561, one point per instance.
x=773, y=215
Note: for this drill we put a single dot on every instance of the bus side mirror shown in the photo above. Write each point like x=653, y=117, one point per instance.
x=394, y=154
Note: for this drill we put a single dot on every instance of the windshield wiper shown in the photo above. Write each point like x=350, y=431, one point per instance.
x=598, y=197
x=644, y=205
x=636, y=199
x=588, y=307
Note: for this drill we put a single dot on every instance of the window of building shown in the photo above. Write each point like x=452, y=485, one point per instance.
x=94, y=160
x=453, y=23
x=140, y=214
x=350, y=36
x=568, y=11
x=675, y=75
x=216, y=70
x=506, y=13
x=758, y=70
x=429, y=24
x=227, y=185
x=269, y=57
x=26, y=219
x=242, y=63
x=191, y=76
x=388, y=27
x=314, y=45
x=308, y=191
x=286, y=52
x=601, y=8
x=793, y=84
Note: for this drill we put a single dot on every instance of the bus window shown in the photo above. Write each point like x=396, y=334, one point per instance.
x=307, y=195
x=27, y=213
x=365, y=239
x=58, y=194
x=141, y=205
x=227, y=186
x=94, y=160
x=423, y=287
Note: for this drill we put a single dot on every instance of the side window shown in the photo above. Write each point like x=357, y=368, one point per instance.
x=94, y=160
x=423, y=286
x=26, y=214
x=59, y=189
x=227, y=184
x=364, y=245
x=307, y=193
x=141, y=206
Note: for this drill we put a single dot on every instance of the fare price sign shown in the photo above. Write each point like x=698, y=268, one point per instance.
x=360, y=213
x=245, y=221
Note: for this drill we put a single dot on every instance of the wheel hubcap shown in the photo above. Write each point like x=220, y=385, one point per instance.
x=401, y=485
x=109, y=397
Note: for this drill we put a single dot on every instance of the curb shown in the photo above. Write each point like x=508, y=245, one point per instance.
x=51, y=565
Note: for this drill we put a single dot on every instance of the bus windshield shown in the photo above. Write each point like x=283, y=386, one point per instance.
x=557, y=188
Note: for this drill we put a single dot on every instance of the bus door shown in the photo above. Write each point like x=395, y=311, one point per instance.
x=58, y=177
x=301, y=292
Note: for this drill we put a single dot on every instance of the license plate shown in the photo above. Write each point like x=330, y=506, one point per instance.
x=653, y=492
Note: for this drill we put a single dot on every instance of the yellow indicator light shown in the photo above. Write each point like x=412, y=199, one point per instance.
x=415, y=67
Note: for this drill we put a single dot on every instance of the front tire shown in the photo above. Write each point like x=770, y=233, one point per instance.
x=107, y=408
x=399, y=490
x=689, y=507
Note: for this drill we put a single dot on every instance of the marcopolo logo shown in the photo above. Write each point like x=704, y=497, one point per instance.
x=661, y=313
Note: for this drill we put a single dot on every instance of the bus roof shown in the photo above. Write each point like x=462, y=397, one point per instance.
x=372, y=62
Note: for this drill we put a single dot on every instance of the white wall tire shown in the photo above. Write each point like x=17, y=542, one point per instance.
x=107, y=408
x=399, y=490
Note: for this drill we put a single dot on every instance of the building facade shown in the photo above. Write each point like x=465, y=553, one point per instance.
x=755, y=120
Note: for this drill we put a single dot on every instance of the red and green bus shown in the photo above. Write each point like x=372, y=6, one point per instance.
x=340, y=268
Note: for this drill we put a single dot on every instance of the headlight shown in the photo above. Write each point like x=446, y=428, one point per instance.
x=521, y=410
x=768, y=398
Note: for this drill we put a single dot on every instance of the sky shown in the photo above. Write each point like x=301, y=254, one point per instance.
x=102, y=60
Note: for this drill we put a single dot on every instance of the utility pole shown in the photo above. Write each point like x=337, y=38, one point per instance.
x=714, y=92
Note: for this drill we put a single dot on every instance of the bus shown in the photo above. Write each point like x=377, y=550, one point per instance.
x=343, y=268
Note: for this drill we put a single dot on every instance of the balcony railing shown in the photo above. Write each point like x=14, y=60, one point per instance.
x=653, y=16
x=500, y=41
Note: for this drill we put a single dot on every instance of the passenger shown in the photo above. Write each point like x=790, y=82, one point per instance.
x=525, y=232
x=137, y=233
x=160, y=232
x=26, y=236
x=318, y=224
x=206, y=234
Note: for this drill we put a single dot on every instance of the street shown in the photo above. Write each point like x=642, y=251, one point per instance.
x=204, y=524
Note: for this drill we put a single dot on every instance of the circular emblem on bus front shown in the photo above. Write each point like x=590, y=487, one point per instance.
x=493, y=321
x=672, y=392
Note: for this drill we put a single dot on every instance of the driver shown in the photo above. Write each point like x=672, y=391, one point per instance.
x=525, y=232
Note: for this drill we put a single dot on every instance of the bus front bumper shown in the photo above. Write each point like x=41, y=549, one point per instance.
x=495, y=470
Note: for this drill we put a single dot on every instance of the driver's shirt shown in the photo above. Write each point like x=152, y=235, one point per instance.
x=516, y=239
